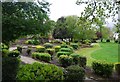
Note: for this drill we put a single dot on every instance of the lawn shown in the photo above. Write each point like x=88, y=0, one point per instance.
x=107, y=52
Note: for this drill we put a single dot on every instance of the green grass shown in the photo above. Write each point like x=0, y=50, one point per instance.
x=101, y=51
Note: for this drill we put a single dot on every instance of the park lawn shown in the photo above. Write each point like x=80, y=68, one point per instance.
x=107, y=52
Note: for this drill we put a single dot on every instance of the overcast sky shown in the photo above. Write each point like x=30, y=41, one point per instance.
x=67, y=7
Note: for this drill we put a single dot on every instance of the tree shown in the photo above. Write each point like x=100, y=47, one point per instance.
x=98, y=10
x=20, y=18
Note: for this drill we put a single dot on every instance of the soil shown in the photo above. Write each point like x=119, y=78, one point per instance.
x=89, y=74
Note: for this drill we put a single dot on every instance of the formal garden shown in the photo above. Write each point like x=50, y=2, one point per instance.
x=36, y=48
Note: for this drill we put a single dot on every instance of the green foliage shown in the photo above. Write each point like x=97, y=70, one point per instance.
x=40, y=71
x=48, y=45
x=117, y=68
x=75, y=58
x=3, y=46
x=74, y=73
x=64, y=46
x=10, y=67
x=65, y=60
x=63, y=53
x=102, y=69
x=28, y=51
x=82, y=61
x=19, y=48
x=57, y=48
x=74, y=45
x=5, y=52
x=40, y=49
x=34, y=42
x=66, y=50
x=87, y=41
x=24, y=19
x=41, y=56
x=13, y=53
x=50, y=51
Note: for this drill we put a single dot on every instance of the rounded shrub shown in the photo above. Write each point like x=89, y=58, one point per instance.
x=34, y=41
x=40, y=71
x=63, y=53
x=3, y=46
x=65, y=60
x=82, y=61
x=14, y=53
x=75, y=73
x=48, y=45
x=117, y=68
x=50, y=51
x=57, y=48
x=75, y=58
x=5, y=52
x=102, y=69
x=66, y=50
x=74, y=45
x=41, y=56
x=40, y=49
x=64, y=46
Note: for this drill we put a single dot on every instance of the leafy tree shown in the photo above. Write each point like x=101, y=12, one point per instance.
x=20, y=18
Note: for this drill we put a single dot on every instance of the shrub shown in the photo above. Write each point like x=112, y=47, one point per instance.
x=64, y=46
x=3, y=46
x=48, y=45
x=74, y=72
x=19, y=48
x=10, y=67
x=63, y=53
x=74, y=45
x=102, y=69
x=5, y=52
x=34, y=41
x=87, y=41
x=75, y=58
x=57, y=48
x=28, y=51
x=117, y=68
x=108, y=40
x=65, y=60
x=13, y=53
x=40, y=49
x=50, y=51
x=66, y=50
x=82, y=61
x=42, y=56
x=40, y=71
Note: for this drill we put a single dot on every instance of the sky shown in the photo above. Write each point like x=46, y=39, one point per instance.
x=61, y=8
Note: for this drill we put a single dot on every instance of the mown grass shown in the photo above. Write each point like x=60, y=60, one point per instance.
x=107, y=52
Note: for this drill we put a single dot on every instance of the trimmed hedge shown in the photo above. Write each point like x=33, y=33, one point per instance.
x=57, y=48
x=74, y=73
x=63, y=53
x=75, y=58
x=74, y=45
x=40, y=71
x=66, y=50
x=48, y=45
x=50, y=51
x=41, y=56
x=14, y=53
x=40, y=49
x=34, y=41
x=117, y=68
x=64, y=46
x=65, y=60
x=102, y=69
x=10, y=66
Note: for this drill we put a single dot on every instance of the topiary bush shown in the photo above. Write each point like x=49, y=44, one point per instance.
x=82, y=61
x=102, y=69
x=74, y=73
x=19, y=48
x=75, y=58
x=117, y=68
x=48, y=45
x=40, y=49
x=40, y=71
x=14, y=53
x=57, y=48
x=10, y=66
x=3, y=46
x=5, y=52
x=66, y=50
x=33, y=41
x=74, y=45
x=65, y=60
x=50, y=51
x=41, y=56
x=64, y=46
x=63, y=53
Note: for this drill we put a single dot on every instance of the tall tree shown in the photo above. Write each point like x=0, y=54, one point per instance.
x=20, y=18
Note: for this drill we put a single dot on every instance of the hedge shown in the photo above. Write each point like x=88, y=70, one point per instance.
x=63, y=53
x=40, y=49
x=40, y=71
x=48, y=45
